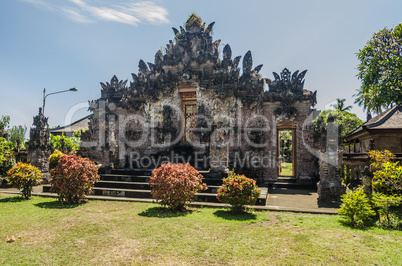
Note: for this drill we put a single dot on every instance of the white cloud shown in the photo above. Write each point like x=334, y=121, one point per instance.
x=148, y=11
x=127, y=13
x=38, y=3
x=107, y=13
x=75, y=15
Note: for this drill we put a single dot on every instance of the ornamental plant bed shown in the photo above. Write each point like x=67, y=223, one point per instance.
x=238, y=190
x=73, y=178
x=174, y=185
x=24, y=176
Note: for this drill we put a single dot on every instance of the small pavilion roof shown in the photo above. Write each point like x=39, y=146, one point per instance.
x=75, y=126
x=391, y=119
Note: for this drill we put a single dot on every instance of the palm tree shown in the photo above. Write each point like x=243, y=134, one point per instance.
x=340, y=105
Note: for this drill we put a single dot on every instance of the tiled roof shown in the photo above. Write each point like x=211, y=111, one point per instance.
x=77, y=125
x=390, y=119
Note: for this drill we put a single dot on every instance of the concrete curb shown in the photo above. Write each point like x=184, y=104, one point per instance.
x=197, y=204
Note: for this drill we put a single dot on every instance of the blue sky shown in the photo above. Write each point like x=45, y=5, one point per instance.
x=60, y=44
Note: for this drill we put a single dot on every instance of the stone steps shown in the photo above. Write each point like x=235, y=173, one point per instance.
x=146, y=194
x=287, y=182
x=130, y=183
x=125, y=178
x=141, y=185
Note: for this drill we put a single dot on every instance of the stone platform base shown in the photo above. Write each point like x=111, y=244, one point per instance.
x=330, y=192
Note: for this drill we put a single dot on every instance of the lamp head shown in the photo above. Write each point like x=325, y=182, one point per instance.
x=73, y=89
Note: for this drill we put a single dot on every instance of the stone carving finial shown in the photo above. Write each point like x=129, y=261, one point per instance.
x=40, y=121
x=210, y=26
x=113, y=89
x=227, y=53
x=236, y=60
x=194, y=23
x=142, y=67
x=258, y=68
x=330, y=118
x=286, y=81
x=288, y=89
x=158, y=58
x=175, y=31
x=247, y=63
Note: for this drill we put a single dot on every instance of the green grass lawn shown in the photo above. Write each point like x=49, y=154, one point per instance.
x=112, y=232
x=286, y=169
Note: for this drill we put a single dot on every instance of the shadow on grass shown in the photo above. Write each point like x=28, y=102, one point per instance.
x=371, y=225
x=365, y=227
x=162, y=212
x=13, y=199
x=55, y=205
x=229, y=215
x=325, y=204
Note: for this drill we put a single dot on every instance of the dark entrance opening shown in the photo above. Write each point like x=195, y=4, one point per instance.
x=286, y=164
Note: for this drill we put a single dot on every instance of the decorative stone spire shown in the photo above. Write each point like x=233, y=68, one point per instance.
x=113, y=89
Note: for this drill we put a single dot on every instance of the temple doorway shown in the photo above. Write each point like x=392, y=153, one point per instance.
x=286, y=152
x=189, y=111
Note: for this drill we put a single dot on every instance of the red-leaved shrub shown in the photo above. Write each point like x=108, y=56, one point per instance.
x=238, y=190
x=175, y=184
x=73, y=178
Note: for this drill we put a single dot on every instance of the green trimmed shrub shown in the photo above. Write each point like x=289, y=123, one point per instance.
x=54, y=159
x=175, y=184
x=356, y=208
x=379, y=158
x=238, y=190
x=73, y=178
x=389, y=209
x=24, y=176
x=388, y=179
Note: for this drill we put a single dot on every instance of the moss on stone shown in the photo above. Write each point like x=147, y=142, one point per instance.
x=194, y=20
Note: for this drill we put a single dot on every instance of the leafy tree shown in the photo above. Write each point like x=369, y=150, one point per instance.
x=4, y=122
x=17, y=133
x=70, y=143
x=7, y=158
x=380, y=70
x=346, y=121
x=340, y=105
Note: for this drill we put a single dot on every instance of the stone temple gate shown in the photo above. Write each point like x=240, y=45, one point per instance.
x=196, y=104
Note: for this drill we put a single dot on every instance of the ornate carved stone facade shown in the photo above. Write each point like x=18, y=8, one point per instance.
x=192, y=101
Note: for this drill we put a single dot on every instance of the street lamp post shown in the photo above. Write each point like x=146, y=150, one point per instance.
x=45, y=95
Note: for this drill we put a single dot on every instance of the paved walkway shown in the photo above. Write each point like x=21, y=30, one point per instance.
x=298, y=200
x=279, y=199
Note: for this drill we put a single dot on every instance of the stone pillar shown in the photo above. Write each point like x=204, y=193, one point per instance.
x=367, y=177
x=330, y=187
x=38, y=147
